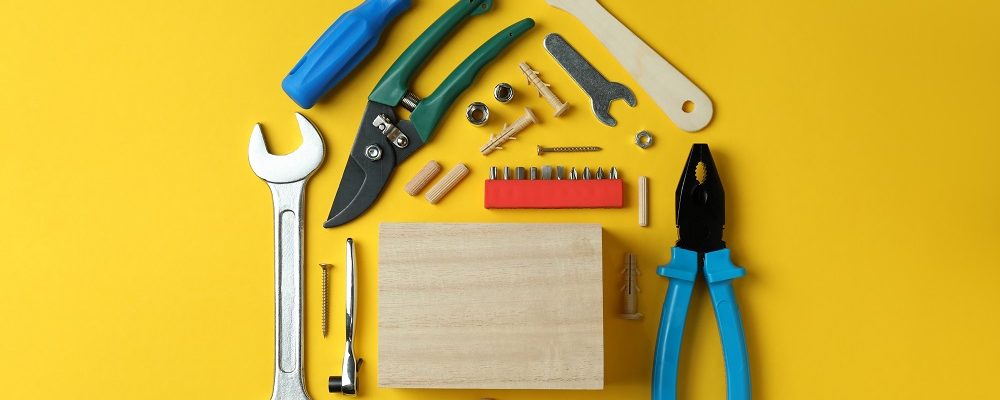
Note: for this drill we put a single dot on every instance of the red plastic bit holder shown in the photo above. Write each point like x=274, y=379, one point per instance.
x=589, y=193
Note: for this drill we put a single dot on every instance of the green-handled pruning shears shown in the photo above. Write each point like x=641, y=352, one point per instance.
x=383, y=140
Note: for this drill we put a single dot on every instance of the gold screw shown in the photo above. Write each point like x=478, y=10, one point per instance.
x=567, y=149
x=326, y=296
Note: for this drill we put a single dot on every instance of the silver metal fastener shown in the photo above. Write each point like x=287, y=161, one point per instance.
x=477, y=113
x=567, y=149
x=326, y=297
x=503, y=92
x=644, y=139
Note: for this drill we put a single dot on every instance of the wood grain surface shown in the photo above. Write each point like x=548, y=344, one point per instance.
x=490, y=306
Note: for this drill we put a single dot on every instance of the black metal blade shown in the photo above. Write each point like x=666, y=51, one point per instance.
x=365, y=178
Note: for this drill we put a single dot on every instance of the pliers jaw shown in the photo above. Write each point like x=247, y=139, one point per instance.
x=700, y=208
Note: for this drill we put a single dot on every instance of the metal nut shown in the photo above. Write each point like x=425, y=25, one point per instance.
x=373, y=152
x=477, y=113
x=503, y=92
x=643, y=139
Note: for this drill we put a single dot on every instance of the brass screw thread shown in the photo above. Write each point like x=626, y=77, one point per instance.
x=567, y=149
x=326, y=297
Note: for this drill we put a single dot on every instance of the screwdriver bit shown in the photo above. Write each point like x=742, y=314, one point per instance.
x=547, y=172
x=600, y=173
x=586, y=173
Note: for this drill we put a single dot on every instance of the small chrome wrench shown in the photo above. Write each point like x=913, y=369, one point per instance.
x=601, y=91
x=347, y=382
x=286, y=176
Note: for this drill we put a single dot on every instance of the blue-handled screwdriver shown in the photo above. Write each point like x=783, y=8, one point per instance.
x=340, y=49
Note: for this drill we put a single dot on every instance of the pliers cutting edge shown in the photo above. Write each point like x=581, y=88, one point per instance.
x=384, y=140
x=701, y=216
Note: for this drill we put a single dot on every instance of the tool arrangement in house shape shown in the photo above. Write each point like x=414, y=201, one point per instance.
x=384, y=140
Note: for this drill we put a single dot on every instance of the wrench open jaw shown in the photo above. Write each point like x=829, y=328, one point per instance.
x=602, y=92
x=286, y=176
x=291, y=167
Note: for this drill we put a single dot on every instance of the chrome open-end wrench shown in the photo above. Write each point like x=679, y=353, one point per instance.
x=286, y=176
x=601, y=91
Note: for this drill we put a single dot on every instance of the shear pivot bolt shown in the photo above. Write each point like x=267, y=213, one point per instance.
x=373, y=152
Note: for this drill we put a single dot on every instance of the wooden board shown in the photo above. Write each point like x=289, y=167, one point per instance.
x=490, y=306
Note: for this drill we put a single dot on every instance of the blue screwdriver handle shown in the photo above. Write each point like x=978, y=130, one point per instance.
x=720, y=272
x=340, y=49
x=682, y=271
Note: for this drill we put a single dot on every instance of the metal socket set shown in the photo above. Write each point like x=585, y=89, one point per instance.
x=553, y=187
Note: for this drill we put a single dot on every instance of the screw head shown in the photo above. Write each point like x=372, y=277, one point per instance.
x=373, y=152
x=401, y=141
x=541, y=150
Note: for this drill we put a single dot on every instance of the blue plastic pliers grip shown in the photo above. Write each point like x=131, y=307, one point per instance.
x=700, y=212
x=719, y=271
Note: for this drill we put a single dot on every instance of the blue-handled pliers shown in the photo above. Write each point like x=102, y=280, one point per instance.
x=701, y=215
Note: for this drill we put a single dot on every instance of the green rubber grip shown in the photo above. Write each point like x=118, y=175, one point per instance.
x=428, y=113
x=394, y=84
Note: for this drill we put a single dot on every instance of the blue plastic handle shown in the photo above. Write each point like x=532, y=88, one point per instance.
x=340, y=49
x=682, y=271
x=720, y=272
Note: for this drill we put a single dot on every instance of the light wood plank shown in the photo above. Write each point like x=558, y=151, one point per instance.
x=490, y=306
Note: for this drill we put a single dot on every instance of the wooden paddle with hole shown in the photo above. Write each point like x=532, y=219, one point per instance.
x=686, y=105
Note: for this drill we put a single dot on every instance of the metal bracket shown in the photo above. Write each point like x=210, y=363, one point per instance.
x=396, y=136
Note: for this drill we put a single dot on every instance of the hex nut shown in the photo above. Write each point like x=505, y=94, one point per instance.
x=477, y=113
x=503, y=92
x=644, y=139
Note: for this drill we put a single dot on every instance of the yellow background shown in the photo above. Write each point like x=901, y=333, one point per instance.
x=857, y=142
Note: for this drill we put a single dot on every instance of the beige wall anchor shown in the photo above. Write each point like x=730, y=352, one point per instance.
x=643, y=201
x=419, y=181
x=543, y=89
x=508, y=132
x=630, y=290
x=442, y=187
